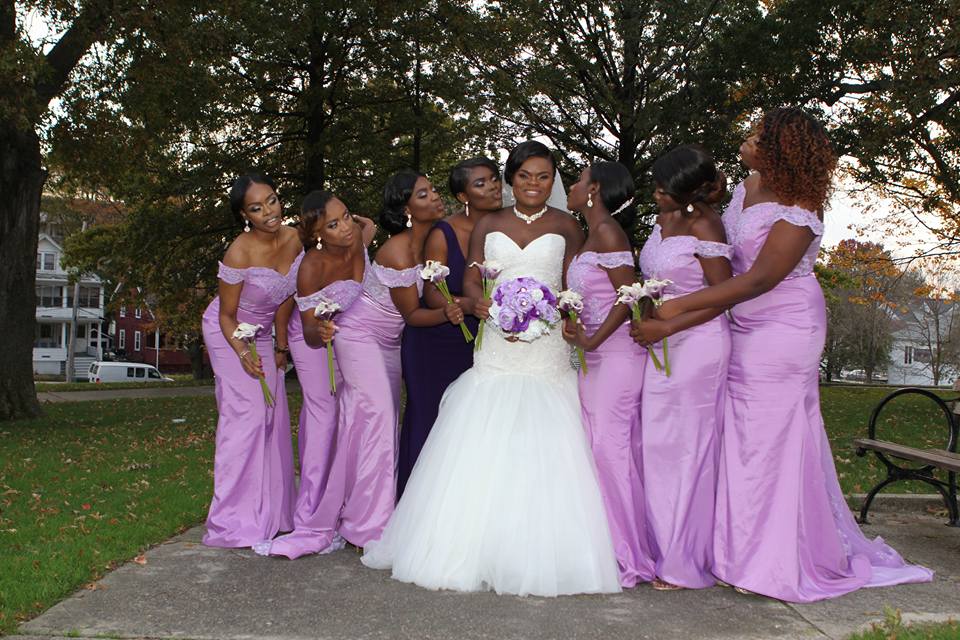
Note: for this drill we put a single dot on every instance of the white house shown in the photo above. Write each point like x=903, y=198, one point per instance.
x=924, y=330
x=55, y=301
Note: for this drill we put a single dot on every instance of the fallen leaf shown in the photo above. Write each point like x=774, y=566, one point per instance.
x=140, y=559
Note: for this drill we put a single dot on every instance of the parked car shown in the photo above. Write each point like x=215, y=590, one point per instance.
x=102, y=371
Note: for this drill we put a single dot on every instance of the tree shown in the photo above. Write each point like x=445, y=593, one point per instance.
x=31, y=77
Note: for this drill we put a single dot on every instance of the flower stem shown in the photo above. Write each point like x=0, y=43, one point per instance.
x=666, y=359
x=333, y=381
x=267, y=396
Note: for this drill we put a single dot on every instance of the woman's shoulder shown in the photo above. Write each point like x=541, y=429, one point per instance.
x=709, y=227
x=609, y=237
x=237, y=255
x=395, y=254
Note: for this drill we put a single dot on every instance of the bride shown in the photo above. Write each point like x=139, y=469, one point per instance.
x=504, y=495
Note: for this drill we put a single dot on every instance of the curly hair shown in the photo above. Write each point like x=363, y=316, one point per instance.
x=796, y=156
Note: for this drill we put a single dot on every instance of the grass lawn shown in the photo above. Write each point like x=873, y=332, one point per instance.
x=893, y=629
x=93, y=484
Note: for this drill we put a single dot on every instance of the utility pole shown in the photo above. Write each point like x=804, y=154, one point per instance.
x=72, y=338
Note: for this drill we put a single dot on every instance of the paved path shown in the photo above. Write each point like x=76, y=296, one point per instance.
x=186, y=590
x=149, y=392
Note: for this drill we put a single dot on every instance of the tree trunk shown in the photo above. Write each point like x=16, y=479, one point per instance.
x=196, y=359
x=21, y=183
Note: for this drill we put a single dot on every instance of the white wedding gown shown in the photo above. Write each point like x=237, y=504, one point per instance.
x=504, y=495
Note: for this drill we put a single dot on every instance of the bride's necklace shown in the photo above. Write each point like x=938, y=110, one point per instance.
x=532, y=217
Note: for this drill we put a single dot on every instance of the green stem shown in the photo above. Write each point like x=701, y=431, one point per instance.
x=267, y=396
x=333, y=381
x=666, y=358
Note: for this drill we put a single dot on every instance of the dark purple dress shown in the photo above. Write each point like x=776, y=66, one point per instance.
x=432, y=358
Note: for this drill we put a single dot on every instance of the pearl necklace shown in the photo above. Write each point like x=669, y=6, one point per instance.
x=532, y=217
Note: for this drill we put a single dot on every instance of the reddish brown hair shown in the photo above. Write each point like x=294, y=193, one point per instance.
x=797, y=158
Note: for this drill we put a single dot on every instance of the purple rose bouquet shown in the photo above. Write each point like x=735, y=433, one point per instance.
x=524, y=308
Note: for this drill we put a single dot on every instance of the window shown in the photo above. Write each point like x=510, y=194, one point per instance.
x=89, y=297
x=921, y=355
x=122, y=339
x=123, y=311
x=908, y=355
x=49, y=296
x=136, y=340
x=141, y=372
x=46, y=261
x=48, y=336
x=82, y=331
x=136, y=313
x=154, y=374
x=130, y=372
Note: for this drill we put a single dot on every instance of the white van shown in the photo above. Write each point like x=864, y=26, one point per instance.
x=124, y=372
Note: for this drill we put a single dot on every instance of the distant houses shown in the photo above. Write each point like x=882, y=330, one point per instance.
x=926, y=343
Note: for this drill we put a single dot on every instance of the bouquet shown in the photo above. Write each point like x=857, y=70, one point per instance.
x=437, y=273
x=325, y=310
x=525, y=308
x=248, y=334
x=571, y=303
x=489, y=270
x=633, y=295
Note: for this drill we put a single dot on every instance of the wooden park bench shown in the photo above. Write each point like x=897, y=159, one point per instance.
x=924, y=461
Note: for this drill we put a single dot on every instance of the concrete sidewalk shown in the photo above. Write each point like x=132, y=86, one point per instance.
x=186, y=590
x=117, y=394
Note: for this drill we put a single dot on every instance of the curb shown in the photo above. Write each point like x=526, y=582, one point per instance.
x=928, y=503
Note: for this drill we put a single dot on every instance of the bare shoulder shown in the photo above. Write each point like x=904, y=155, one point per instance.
x=709, y=227
x=395, y=253
x=609, y=236
x=566, y=223
x=312, y=268
x=238, y=253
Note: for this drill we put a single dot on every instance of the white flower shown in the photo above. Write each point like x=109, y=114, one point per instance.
x=631, y=294
x=246, y=331
x=325, y=309
x=654, y=288
x=489, y=269
x=570, y=300
x=434, y=271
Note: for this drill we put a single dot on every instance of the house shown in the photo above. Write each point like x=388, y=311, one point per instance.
x=926, y=343
x=135, y=335
x=55, y=308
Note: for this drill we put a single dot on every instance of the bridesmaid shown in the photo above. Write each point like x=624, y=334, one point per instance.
x=683, y=413
x=253, y=489
x=783, y=528
x=610, y=390
x=335, y=244
x=436, y=356
x=367, y=345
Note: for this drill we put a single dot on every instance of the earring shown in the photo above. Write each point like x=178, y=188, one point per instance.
x=319, y=242
x=590, y=201
x=466, y=209
x=246, y=225
x=689, y=208
x=409, y=221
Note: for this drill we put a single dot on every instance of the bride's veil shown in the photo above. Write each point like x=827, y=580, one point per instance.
x=557, y=199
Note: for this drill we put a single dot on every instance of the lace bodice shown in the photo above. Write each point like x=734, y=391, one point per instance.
x=676, y=258
x=548, y=356
x=587, y=275
x=378, y=280
x=264, y=289
x=747, y=231
x=343, y=292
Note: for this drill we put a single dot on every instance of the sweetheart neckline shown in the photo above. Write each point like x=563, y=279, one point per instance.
x=527, y=246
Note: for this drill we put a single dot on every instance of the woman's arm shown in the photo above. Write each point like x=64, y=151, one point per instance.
x=407, y=301
x=281, y=321
x=781, y=253
x=435, y=248
x=472, y=280
x=229, y=302
x=368, y=229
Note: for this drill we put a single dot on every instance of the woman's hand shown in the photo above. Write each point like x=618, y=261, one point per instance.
x=453, y=312
x=251, y=364
x=281, y=359
x=649, y=331
x=469, y=305
x=327, y=330
x=575, y=334
x=481, y=308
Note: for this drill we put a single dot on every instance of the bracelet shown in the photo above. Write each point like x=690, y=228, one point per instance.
x=279, y=349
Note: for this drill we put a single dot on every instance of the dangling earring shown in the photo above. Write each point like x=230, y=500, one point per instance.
x=409, y=221
x=466, y=209
x=246, y=225
x=319, y=242
x=689, y=208
x=590, y=201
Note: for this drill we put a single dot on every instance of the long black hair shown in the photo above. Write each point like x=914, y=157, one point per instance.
x=396, y=195
x=238, y=190
x=312, y=211
x=460, y=174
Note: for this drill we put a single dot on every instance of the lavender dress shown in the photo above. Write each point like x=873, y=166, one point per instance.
x=367, y=346
x=432, y=358
x=610, y=406
x=682, y=418
x=783, y=528
x=253, y=489
x=320, y=495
